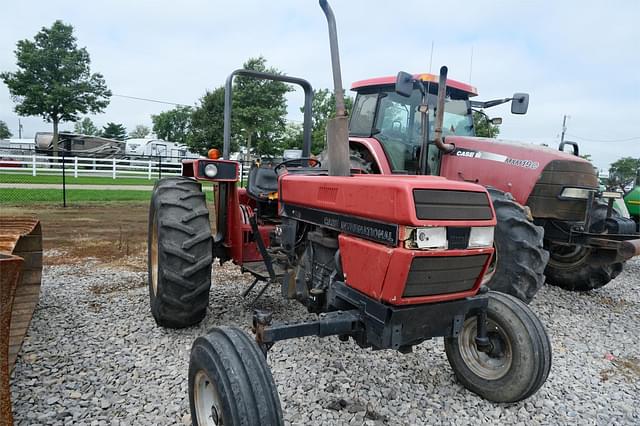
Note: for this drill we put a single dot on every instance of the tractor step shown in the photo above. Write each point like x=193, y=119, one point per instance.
x=259, y=270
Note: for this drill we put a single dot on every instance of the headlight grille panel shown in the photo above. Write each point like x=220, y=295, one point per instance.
x=439, y=204
x=433, y=275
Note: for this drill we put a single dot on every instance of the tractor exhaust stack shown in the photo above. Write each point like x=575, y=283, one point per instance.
x=337, y=127
x=442, y=92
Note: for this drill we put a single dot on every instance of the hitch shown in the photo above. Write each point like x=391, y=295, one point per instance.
x=342, y=323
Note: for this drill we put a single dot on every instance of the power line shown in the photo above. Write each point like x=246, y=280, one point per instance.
x=150, y=100
x=605, y=140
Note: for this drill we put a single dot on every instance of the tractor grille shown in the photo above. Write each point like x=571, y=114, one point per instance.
x=440, y=275
x=558, y=174
x=439, y=204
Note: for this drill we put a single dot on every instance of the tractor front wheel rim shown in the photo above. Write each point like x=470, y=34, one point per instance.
x=491, y=365
x=207, y=401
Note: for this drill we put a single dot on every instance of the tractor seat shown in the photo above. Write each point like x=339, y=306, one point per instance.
x=262, y=182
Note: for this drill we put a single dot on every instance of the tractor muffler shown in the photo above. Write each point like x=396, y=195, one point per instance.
x=338, y=126
x=20, y=278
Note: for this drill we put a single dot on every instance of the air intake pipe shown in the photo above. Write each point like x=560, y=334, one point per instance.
x=337, y=127
x=442, y=92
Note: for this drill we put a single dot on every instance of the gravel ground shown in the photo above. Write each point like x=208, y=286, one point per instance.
x=95, y=356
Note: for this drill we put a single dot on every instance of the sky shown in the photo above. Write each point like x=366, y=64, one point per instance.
x=575, y=58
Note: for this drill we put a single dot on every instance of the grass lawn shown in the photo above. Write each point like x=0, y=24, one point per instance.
x=81, y=180
x=16, y=197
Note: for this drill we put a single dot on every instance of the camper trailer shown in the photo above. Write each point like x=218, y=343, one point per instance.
x=94, y=146
x=169, y=151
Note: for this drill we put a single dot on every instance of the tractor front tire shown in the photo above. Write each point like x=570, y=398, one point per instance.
x=576, y=268
x=230, y=382
x=518, y=264
x=179, y=253
x=518, y=361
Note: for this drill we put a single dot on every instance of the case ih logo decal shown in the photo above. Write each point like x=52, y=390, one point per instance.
x=385, y=233
x=527, y=164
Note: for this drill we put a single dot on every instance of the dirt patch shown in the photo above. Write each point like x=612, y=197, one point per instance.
x=628, y=368
x=121, y=285
x=112, y=233
x=616, y=305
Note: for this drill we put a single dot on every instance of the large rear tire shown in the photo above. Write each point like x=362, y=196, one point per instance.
x=519, y=361
x=230, y=382
x=576, y=268
x=179, y=253
x=518, y=264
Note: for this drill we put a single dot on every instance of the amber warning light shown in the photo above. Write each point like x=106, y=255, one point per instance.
x=213, y=154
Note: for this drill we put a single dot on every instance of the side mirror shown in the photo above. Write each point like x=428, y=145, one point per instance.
x=520, y=103
x=496, y=121
x=404, y=84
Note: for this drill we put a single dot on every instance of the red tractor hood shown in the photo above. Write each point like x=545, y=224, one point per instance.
x=509, y=166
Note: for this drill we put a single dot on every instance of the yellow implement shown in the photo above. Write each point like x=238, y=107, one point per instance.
x=20, y=277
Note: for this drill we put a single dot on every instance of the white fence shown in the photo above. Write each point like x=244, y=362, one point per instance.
x=83, y=166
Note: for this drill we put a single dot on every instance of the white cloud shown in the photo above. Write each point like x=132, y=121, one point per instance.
x=574, y=57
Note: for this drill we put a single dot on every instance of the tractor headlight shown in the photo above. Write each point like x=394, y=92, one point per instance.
x=210, y=170
x=577, y=193
x=481, y=236
x=431, y=238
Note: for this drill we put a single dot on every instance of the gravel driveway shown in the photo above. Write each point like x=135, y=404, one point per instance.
x=95, y=356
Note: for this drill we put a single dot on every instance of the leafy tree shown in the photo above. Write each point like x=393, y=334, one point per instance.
x=483, y=126
x=54, y=80
x=5, y=133
x=260, y=108
x=291, y=137
x=207, y=123
x=586, y=157
x=141, y=131
x=86, y=127
x=623, y=171
x=323, y=108
x=114, y=131
x=173, y=125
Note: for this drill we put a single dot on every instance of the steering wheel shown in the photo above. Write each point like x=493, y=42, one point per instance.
x=316, y=163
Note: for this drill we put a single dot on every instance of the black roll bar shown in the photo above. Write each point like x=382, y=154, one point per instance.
x=308, y=98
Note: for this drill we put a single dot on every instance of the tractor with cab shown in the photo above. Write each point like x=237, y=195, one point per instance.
x=387, y=261
x=552, y=219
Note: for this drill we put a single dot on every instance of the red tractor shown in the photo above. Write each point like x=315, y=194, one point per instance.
x=386, y=260
x=551, y=217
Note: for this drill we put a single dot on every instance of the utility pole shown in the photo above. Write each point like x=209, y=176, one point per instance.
x=564, y=127
x=19, y=129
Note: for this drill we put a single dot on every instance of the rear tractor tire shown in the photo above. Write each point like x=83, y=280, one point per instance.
x=575, y=268
x=230, y=382
x=517, y=267
x=519, y=361
x=179, y=253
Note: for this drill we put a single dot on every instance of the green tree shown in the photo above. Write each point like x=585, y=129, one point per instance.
x=141, y=131
x=114, y=131
x=483, y=126
x=260, y=109
x=207, y=123
x=623, y=171
x=86, y=127
x=586, y=157
x=54, y=80
x=291, y=138
x=323, y=108
x=173, y=125
x=5, y=133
